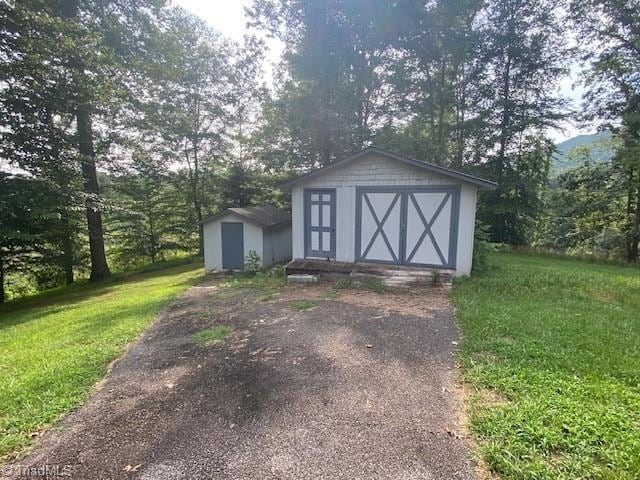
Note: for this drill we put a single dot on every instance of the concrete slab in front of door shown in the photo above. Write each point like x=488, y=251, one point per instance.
x=392, y=275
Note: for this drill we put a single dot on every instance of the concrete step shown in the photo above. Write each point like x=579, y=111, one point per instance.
x=392, y=275
x=404, y=280
x=302, y=278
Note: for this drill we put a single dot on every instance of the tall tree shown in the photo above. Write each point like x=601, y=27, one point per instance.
x=147, y=213
x=585, y=210
x=191, y=103
x=437, y=79
x=72, y=59
x=526, y=52
x=36, y=133
x=333, y=85
x=611, y=30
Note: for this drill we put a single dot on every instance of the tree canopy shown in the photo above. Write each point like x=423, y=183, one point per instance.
x=125, y=123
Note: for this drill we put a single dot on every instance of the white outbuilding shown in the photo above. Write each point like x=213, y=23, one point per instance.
x=234, y=235
x=380, y=207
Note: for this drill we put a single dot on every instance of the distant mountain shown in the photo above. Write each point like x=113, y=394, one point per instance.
x=598, y=143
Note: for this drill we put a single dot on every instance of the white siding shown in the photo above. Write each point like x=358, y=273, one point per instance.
x=377, y=170
x=213, y=241
x=297, y=221
x=466, y=228
x=253, y=239
x=212, y=246
x=277, y=246
x=267, y=249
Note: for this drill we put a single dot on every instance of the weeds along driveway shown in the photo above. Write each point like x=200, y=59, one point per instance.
x=310, y=383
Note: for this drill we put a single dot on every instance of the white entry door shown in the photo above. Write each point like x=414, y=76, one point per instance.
x=409, y=225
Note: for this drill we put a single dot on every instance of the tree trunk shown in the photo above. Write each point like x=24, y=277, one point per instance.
x=441, y=147
x=99, y=267
x=67, y=248
x=197, y=206
x=1, y=281
x=506, y=117
x=153, y=244
x=633, y=240
x=460, y=118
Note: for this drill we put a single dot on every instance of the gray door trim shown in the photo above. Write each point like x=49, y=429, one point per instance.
x=406, y=194
x=427, y=227
x=360, y=191
x=236, y=243
x=380, y=225
x=331, y=229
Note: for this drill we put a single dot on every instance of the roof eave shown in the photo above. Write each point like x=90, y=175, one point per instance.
x=228, y=211
x=264, y=226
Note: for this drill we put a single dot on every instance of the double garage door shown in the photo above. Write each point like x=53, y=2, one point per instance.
x=407, y=226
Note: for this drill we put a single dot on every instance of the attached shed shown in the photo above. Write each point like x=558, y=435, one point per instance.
x=380, y=207
x=230, y=235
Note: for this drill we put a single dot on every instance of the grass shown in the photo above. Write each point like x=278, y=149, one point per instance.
x=552, y=348
x=373, y=285
x=269, y=296
x=301, y=305
x=273, y=279
x=213, y=335
x=269, y=282
x=343, y=283
x=55, y=346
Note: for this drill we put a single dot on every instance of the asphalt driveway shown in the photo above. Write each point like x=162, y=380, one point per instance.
x=359, y=386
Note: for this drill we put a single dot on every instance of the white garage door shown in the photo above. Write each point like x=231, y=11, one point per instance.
x=407, y=226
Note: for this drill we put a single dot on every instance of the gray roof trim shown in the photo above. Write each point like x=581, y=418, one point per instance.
x=277, y=218
x=465, y=177
x=226, y=212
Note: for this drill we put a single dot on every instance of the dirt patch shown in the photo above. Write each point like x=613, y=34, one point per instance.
x=482, y=470
x=416, y=301
x=360, y=386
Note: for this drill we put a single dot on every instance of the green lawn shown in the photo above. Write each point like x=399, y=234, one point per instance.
x=213, y=335
x=56, y=346
x=551, y=351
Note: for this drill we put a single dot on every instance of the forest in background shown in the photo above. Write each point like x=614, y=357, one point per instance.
x=124, y=123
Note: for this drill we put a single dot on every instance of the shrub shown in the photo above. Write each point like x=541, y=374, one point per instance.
x=252, y=262
x=481, y=247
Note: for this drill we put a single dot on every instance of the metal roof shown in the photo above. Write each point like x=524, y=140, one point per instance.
x=266, y=216
x=465, y=177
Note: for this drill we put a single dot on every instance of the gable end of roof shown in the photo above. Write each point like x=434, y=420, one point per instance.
x=465, y=177
x=265, y=216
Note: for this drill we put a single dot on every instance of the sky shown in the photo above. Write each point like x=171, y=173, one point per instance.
x=227, y=17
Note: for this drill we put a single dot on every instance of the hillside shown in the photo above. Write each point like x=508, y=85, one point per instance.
x=597, y=142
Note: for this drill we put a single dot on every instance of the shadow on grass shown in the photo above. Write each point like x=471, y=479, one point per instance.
x=71, y=297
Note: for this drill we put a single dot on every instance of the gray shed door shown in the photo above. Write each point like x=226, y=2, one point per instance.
x=407, y=225
x=320, y=223
x=232, y=246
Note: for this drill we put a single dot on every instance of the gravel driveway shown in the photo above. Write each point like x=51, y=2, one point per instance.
x=359, y=386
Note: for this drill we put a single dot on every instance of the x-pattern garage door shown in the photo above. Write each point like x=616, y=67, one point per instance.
x=412, y=226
